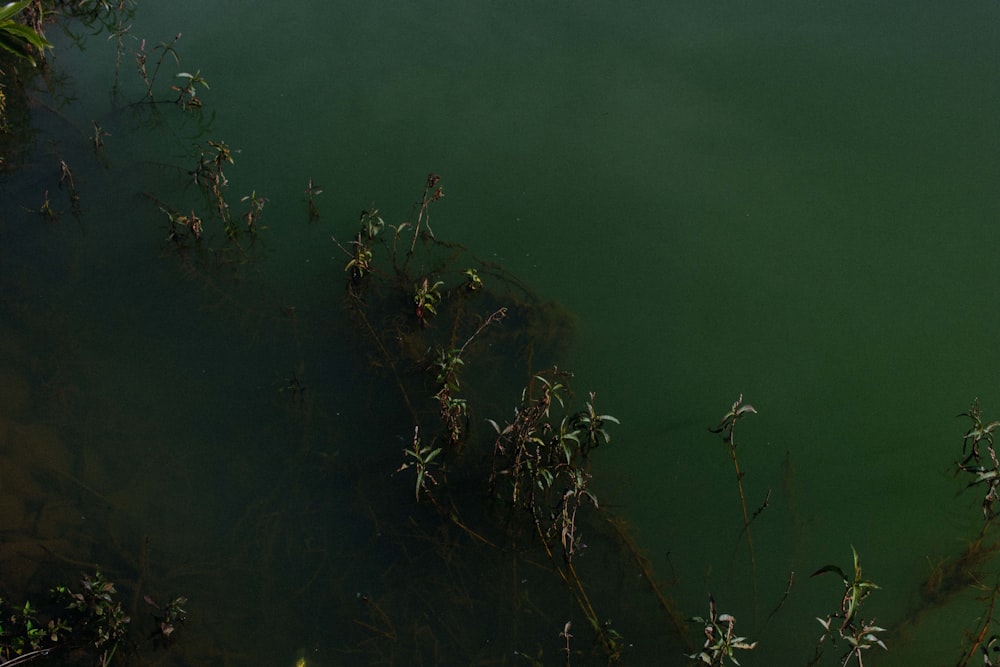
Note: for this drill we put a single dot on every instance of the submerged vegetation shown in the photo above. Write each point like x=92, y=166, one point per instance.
x=477, y=495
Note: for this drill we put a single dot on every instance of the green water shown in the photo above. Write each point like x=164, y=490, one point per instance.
x=792, y=202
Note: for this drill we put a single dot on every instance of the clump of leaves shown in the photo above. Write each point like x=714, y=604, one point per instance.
x=255, y=205
x=181, y=227
x=361, y=254
x=210, y=175
x=590, y=426
x=426, y=297
x=984, y=466
x=454, y=408
x=847, y=622
x=23, y=637
x=98, y=614
x=421, y=459
x=187, y=94
x=534, y=455
x=171, y=615
x=25, y=42
x=474, y=283
x=721, y=640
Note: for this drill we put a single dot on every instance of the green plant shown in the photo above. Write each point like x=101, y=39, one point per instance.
x=977, y=437
x=99, y=615
x=721, y=641
x=23, y=637
x=23, y=41
x=423, y=457
x=536, y=458
x=46, y=210
x=97, y=138
x=474, y=282
x=360, y=264
x=539, y=468
x=361, y=261
x=859, y=634
x=727, y=427
x=66, y=179
x=187, y=95
x=312, y=191
x=92, y=624
x=523, y=454
x=454, y=409
x=426, y=297
x=142, y=59
x=564, y=523
x=172, y=614
x=432, y=193
x=252, y=215
x=591, y=426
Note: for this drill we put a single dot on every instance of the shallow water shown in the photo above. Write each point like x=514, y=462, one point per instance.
x=793, y=203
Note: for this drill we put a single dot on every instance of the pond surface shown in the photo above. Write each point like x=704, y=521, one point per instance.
x=789, y=202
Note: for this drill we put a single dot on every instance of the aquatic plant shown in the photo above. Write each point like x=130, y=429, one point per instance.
x=432, y=193
x=454, y=409
x=91, y=622
x=171, y=615
x=986, y=471
x=251, y=218
x=425, y=297
x=97, y=138
x=312, y=191
x=160, y=51
x=475, y=282
x=24, y=638
x=721, y=641
x=24, y=41
x=361, y=254
x=846, y=622
x=187, y=94
x=423, y=457
x=727, y=427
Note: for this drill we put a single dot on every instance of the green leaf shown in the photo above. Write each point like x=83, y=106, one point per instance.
x=12, y=8
x=27, y=34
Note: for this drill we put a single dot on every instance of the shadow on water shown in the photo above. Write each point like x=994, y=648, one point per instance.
x=282, y=519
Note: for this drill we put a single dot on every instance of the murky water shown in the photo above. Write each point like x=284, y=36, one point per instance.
x=789, y=202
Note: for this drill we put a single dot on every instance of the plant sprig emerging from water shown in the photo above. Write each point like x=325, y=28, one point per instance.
x=727, y=427
x=533, y=455
x=421, y=458
x=721, y=640
x=859, y=634
x=983, y=465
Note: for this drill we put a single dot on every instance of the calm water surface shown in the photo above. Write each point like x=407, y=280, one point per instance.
x=794, y=203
